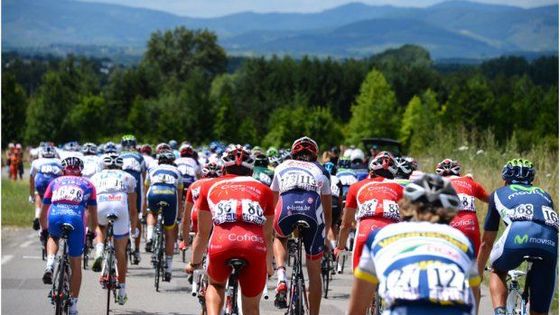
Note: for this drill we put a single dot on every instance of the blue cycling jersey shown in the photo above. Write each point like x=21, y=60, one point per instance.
x=520, y=203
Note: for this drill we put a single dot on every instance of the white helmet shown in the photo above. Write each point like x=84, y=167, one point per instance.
x=357, y=154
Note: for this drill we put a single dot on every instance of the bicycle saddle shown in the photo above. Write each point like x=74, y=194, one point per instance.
x=237, y=263
x=532, y=258
x=112, y=217
x=302, y=224
x=162, y=204
x=67, y=228
x=516, y=273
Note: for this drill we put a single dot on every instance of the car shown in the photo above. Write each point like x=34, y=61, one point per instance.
x=375, y=145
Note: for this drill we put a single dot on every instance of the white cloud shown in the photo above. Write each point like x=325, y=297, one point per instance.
x=212, y=8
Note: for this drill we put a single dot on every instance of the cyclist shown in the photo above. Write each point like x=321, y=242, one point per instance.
x=359, y=163
x=336, y=189
x=303, y=190
x=65, y=201
x=239, y=211
x=190, y=214
x=43, y=171
x=376, y=201
x=110, y=147
x=346, y=176
x=467, y=189
x=146, y=151
x=532, y=230
x=188, y=166
x=404, y=170
x=92, y=163
x=116, y=194
x=424, y=267
x=133, y=164
x=174, y=145
x=165, y=186
x=261, y=172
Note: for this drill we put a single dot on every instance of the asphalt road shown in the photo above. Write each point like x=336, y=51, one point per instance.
x=24, y=293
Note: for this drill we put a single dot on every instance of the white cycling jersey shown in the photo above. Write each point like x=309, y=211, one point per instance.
x=189, y=169
x=294, y=174
x=47, y=166
x=92, y=164
x=420, y=261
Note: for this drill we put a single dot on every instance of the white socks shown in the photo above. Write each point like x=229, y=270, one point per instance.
x=50, y=261
x=73, y=304
x=122, y=289
x=281, y=273
x=98, y=250
x=169, y=262
x=37, y=212
x=150, y=233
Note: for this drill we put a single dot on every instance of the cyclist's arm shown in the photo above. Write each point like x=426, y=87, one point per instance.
x=361, y=296
x=45, y=208
x=491, y=225
x=31, y=185
x=200, y=243
x=345, y=226
x=186, y=222
x=92, y=217
x=269, y=238
x=326, y=201
x=132, y=209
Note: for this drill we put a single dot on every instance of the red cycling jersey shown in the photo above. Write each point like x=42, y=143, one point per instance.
x=239, y=206
x=375, y=200
x=466, y=220
x=192, y=195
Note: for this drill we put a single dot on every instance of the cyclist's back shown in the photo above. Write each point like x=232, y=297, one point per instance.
x=44, y=170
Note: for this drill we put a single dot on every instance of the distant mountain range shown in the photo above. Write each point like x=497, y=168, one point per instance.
x=452, y=29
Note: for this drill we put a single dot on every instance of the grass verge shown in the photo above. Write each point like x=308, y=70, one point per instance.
x=16, y=211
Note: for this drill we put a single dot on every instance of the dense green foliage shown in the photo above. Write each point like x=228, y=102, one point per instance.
x=185, y=89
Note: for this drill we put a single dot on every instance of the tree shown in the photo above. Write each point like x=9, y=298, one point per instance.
x=419, y=121
x=375, y=112
x=84, y=118
x=14, y=105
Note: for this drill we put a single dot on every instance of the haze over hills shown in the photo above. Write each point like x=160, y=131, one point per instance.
x=453, y=29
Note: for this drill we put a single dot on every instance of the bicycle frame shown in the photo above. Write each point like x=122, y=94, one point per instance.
x=297, y=285
x=158, y=252
x=60, y=291
x=109, y=271
x=231, y=305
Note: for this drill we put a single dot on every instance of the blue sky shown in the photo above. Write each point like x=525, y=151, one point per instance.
x=211, y=8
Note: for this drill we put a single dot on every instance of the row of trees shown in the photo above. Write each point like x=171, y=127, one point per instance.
x=182, y=89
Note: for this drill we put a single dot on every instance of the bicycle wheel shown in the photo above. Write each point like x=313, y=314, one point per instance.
x=325, y=273
x=110, y=279
x=514, y=303
x=300, y=307
x=59, y=289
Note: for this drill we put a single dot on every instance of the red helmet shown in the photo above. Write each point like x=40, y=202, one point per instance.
x=186, y=150
x=305, y=144
x=146, y=149
x=72, y=166
x=448, y=167
x=237, y=155
x=384, y=165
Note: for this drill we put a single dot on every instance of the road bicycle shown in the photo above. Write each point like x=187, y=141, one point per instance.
x=292, y=250
x=88, y=246
x=109, y=270
x=298, y=304
x=158, y=259
x=60, y=291
x=199, y=281
x=231, y=306
x=327, y=263
x=517, y=302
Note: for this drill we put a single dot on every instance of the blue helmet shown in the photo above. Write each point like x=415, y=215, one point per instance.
x=330, y=167
x=518, y=171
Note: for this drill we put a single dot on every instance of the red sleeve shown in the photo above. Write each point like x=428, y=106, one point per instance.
x=480, y=192
x=92, y=201
x=351, y=197
x=202, y=201
x=269, y=201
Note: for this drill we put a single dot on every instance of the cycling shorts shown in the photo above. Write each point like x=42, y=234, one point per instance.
x=60, y=215
x=364, y=228
x=243, y=241
x=122, y=224
x=467, y=222
x=139, y=189
x=527, y=238
x=41, y=183
x=336, y=211
x=298, y=205
x=194, y=219
x=427, y=309
x=168, y=195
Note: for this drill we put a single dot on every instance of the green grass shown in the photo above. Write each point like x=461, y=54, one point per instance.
x=16, y=210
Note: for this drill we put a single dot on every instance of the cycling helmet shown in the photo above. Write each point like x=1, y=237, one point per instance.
x=304, y=148
x=113, y=161
x=404, y=168
x=72, y=166
x=256, y=151
x=412, y=161
x=433, y=191
x=448, y=167
x=89, y=149
x=518, y=171
x=146, y=149
x=330, y=167
x=261, y=160
x=247, y=146
x=237, y=156
x=357, y=156
x=271, y=152
x=173, y=144
x=166, y=157
x=110, y=147
x=274, y=161
x=344, y=163
x=48, y=152
x=186, y=150
x=163, y=147
x=128, y=142
x=384, y=165
x=212, y=169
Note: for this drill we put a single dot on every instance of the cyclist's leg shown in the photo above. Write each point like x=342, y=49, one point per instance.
x=76, y=241
x=314, y=241
x=54, y=224
x=140, y=197
x=283, y=223
x=218, y=273
x=151, y=218
x=120, y=236
x=252, y=279
x=170, y=229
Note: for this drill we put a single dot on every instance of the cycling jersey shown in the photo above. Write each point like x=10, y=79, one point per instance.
x=466, y=220
x=336, y=189
x=375, y=200
x=532, y=230
x=239, y=206
x=301, y=185
x=347, y=177
x=133, y=163
x=189, y=169
x=69, y=196
x=420, y=262
x=163, y=182
x=149, y=161
x=92, y=164
x=192, y=196
x=43, y=171
x=113, y=187
x=263, y=175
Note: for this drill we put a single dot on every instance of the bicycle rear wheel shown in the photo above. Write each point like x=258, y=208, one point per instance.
x=59, y=289
x=325, y=273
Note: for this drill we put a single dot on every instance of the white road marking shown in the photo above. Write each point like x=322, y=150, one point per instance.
x=31, y=257
x=26, y=244
x=6, y=258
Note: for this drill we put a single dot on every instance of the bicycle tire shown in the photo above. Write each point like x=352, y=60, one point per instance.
x=59, y=291
x=325, y=272
x=514, y=303
x=299, y=302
